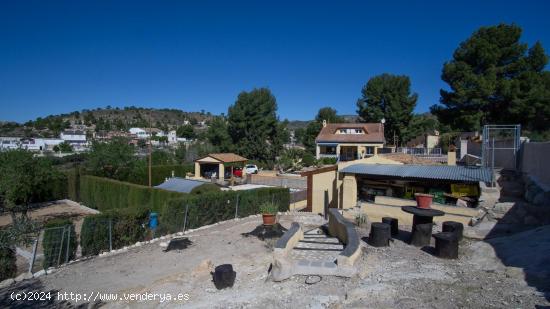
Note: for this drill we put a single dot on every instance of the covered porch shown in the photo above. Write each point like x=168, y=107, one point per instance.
x=213, y=165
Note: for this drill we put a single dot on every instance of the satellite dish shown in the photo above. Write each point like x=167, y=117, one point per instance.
x=383, y=120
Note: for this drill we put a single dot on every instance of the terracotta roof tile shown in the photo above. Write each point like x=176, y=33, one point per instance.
x=227, y=157
x=374, y=133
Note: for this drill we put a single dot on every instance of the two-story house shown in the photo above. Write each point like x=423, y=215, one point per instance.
x=349, y=141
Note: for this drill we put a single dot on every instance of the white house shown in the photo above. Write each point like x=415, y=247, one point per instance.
x=139, y=133
x=76, y=138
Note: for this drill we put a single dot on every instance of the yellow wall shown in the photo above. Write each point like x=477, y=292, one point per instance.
x=324, y=182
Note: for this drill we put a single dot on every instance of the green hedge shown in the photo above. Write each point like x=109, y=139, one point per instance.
x=127, y=226
x=105, y=194
x=73, y=184
x=159, y=173
x=56, y=235
x=212, y=207
x=8, y=266
x=205, y=188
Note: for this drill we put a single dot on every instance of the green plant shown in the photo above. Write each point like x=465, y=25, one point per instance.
x=104, y=194
x=214, y=207
x=268, y=208
x=8, y=265
x=59, y=242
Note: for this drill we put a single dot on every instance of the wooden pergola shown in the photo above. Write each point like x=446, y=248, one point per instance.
x=220, y=159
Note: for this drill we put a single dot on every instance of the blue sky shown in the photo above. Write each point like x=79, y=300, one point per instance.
x=61, y=56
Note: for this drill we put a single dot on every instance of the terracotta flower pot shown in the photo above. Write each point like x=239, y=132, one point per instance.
x=269, y=219
x=424, y=200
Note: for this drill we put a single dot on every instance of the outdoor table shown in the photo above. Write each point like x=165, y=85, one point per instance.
x=422, y=224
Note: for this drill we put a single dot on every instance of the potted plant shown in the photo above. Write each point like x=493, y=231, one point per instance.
x=423, y=200
x=269, y=213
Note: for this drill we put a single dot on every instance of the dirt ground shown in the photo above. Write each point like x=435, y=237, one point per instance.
x=399, y=276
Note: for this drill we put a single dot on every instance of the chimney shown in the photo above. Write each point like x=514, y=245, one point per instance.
x=324, y=123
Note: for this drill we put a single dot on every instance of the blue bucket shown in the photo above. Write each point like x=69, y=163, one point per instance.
x=153, y=220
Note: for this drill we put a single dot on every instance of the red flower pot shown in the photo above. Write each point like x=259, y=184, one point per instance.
x=269, y=219
x=424, y=200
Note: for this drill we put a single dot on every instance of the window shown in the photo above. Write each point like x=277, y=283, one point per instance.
x=343, y=131
x=359, y=131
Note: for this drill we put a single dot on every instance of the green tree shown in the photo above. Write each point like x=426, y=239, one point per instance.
x=25, y=179
x=65, y=147
x=307, y=137
x=329, y=114
x=421, y=124
x=253, y=125
x=181, y=153
x=495, y=79
x=114, y=159
x=218, y=135
x=388, y=97
x=186, y=131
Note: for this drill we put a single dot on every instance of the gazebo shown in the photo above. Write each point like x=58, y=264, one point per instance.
x=218, y=159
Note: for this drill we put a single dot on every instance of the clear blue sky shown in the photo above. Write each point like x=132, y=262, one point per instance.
x=61, y=56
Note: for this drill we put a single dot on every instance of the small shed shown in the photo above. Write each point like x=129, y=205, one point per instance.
x=213, y=160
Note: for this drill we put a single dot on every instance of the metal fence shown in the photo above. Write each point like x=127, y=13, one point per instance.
x=55, y=246
x=420, y=152
x=52, y=247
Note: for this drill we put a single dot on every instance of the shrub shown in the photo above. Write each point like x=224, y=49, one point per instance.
x=8, y=265
x=123, y=226
x=59, y=237
x=205, y=188
x=214, y=207
x=308, y=159
x=328, y=161
x=105, y=194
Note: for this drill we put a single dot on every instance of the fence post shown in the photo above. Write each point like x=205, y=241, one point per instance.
x=185, y=218
x=68, y=243
x=237, y=207
x=34, y=247
x=61, y=247
x=110, y=235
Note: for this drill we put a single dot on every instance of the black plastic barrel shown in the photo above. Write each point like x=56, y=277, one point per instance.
x=224, y=276
x=446, y=245
x=393, y=223
x=454, y=227
x=380, y=234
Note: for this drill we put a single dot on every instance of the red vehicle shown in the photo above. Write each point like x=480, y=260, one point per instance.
x=237, y=172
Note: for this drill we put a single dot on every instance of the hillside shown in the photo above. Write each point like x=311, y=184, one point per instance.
x=104, y=119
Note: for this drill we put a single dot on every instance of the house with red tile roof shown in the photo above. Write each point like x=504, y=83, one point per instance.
x=349, y=141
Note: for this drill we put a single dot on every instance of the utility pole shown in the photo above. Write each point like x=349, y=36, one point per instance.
x=150, y=147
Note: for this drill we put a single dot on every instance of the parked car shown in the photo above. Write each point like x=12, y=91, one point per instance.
x=238, y=172
x=251, y=169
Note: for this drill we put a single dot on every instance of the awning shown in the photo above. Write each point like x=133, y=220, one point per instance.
x=427, y=172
